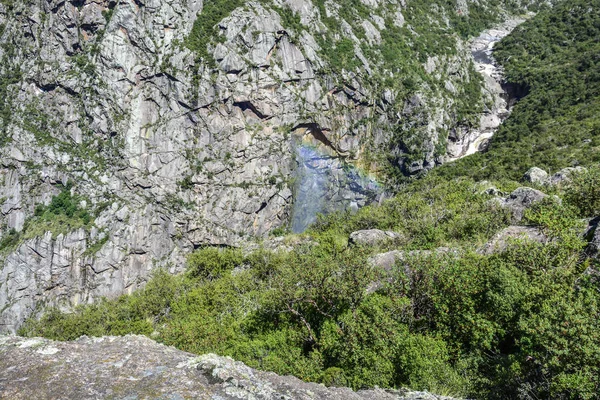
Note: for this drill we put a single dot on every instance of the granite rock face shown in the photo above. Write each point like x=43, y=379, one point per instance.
x=171, y=153
x=137, y=367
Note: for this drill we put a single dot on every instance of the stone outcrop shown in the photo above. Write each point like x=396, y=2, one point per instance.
x=386, y=261
x=518, y=201
x=135, y=367
x=559, y=179
x=501, y=241
x=592, y=236
x=373, y=237
x=564, y=176
x=535, y=175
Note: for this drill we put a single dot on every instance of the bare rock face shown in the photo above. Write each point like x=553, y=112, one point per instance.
x=135, y=367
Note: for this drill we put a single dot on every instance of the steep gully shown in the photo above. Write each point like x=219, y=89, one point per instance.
x=317, y=174
x=502, y=94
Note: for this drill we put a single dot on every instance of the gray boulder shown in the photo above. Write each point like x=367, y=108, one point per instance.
x=486, y=187
x=592, y=235
x=564, y=176
x=520, y=200
x=373, y=237
x=386, y=261
x=535, y=175
x=500, y=242
x=135, y=367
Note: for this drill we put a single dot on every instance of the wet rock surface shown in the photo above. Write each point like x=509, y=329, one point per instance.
x=135, y=367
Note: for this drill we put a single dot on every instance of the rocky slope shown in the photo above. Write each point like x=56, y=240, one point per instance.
x=171, y=148
x=135, y=367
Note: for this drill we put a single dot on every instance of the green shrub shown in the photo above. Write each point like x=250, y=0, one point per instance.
x=584, y=192
x=211, y=263
x=523, y=322
x=62, y=215
x=204, y=30
x=10, y=239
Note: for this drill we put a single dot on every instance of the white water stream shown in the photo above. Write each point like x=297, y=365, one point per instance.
x=481, y=49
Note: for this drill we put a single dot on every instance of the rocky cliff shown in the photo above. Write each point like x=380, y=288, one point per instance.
x=135, y=367
x=175, y=130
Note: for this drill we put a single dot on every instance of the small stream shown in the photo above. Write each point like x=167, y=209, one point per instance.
x=482, y=51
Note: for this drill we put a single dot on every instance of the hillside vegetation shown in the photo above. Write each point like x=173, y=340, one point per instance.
x=555, y=59
x=523, y=322
x=517, y=324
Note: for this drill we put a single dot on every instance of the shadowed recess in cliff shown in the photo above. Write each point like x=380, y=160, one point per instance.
x=324, y=183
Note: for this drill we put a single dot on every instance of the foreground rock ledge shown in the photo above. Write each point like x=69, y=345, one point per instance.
x=135, y=367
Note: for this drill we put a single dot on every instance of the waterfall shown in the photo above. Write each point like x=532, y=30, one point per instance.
x=324, y=183
x=310, y=188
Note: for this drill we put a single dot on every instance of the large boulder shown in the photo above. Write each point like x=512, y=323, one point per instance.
x=535, y=175
x=520, y=200
x=373, y=237
x=135, y=367
x=561, y=178
x=564, y=176
x=592, y=235
x=500, y=242
x=386, y=261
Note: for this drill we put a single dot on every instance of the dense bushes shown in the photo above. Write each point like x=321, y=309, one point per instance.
x=431, y=213
x=524, y=323
x=212, y=263
x=584, y=192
